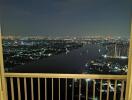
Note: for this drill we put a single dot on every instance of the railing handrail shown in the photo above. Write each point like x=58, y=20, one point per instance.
x=56, y=75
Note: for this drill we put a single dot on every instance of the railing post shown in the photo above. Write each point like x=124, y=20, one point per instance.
x=1, y=93
x=3, y=89
x=129, y=74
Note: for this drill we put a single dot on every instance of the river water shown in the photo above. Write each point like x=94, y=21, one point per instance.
x=72, y=62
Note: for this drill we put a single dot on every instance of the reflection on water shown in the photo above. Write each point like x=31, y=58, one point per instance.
x=74, y=61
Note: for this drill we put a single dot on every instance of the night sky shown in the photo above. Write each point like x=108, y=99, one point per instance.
x=66, y=17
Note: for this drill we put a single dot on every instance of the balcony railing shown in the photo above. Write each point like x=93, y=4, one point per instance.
x=41, y=86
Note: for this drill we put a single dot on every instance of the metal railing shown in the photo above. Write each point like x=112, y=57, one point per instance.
x=42, y=86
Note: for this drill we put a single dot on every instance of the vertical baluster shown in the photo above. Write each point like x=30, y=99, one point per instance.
x=12, y=88
x=108, y=85
x=1, y=95
x=32, y=89
x=59, y=88
x=72, y=89
x=25, y=88
x=122, y=90
x=18, y=87
x=45, y=89
x=115, y=90
x=101, y=90
x=38, y=88
x=5, y=90
x=52, y=89
x=80, y=89
x=86, y=90
x=93, y=89
x=66, y=89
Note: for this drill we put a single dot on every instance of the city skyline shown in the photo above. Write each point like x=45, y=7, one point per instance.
x=66, y=17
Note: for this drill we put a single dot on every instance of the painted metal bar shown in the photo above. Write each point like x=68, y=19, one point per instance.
x=38, y=88
x=72, y=89
x=32, y=89
x=12, y=88
x=25, y=88
x=93, y=89
x=86, y=90
x=66, y=89
x=1, y=91
x=2, y=71
x=45, y=89
x=5, y=90
x=18, y=87
x=59, y=88
x=108, y=89
x=69, y=76
x=52, y=89
x=80, y=89
x=115, y=90
x=128, y=94
x=122, y=90
x=100, y=89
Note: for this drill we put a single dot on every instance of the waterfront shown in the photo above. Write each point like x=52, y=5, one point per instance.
x=76, y=61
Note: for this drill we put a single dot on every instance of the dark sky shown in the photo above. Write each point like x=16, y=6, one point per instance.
x=66, y=17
